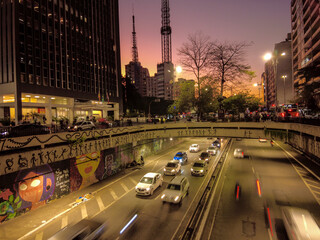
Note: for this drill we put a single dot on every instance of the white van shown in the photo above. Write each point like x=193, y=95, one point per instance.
x=299, y=224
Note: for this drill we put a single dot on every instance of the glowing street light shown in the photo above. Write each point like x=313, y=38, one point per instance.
x=179, y=69
x=267, y=56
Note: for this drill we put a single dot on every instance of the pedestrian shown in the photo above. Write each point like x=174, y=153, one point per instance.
x=44, y=119
x=141, y=160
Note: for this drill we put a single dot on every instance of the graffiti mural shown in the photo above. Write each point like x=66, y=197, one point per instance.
x=85, y=170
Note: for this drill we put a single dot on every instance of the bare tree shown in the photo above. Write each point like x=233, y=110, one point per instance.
x=228, y=63
x=195, y=58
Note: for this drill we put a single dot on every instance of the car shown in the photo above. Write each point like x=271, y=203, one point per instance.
x=199, y=168
x=176, y=190
x=212, y=150
x=194, y=148
x=85, y=229
x=299, y=224
x=216, y=143
x=27, y=130
x=172, y=168
x=182, y=157
x=238, y=153
x=149, y=183
x=262, y=140
x=79, y=126
x=204, y=156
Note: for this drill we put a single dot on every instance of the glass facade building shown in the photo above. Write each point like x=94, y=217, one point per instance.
x=56, y=52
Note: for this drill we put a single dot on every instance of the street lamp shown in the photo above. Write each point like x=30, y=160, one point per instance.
x=154, y=100
x=259, y=87
x=284, y=88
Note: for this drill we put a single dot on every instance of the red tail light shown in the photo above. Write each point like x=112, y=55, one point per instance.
x=297, y=114
x=282, y=114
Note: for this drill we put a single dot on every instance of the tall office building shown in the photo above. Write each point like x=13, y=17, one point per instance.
x=305, y=28
x=59, y=58
x=278, y=84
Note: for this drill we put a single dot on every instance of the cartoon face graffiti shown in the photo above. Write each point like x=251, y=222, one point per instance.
x=31, y=189
x=88, y=163
x=34, y=186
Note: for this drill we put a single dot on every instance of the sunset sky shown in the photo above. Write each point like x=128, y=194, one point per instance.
x=263, y=22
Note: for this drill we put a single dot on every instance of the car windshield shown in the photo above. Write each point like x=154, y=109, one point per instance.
x=238, y=150
x=78, y=123
x=194, y=145
x=146, y=180
x=211, y=148
x=204, y=154
x=198, y=164
x=171, y=165
x=174, y=187
x=179, y=155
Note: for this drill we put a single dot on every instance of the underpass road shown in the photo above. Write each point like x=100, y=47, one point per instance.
x=281, y=185
x=115, y=203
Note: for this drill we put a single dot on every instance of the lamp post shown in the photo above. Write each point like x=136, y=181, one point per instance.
x=284, y=88
x=259, y=87
x=154, y=100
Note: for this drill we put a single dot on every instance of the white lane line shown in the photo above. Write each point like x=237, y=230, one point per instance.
x=100, y=203
x=132, y=180
x=124, y=187
x=64, y=221
x=39, y=236
x=84, y=213
x=114, y=195
x=306, y=168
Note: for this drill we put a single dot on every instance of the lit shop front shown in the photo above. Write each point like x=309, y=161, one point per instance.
x=45, y=109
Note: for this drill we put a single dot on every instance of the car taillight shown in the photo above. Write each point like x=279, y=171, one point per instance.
x=242, y=153
x=297, y=114
x=282, y=114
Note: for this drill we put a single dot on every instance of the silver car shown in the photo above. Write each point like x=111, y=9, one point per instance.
x=172, y=168
x=85, y=125
x=238, y=153
x=176, y=190
x=149, y=183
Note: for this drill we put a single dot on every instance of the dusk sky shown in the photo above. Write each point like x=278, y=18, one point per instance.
x=263, y=22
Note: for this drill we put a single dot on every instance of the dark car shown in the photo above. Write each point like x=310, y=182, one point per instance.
x=205, y=156
x=28, y=129
x=85, y=229
x=216, y=143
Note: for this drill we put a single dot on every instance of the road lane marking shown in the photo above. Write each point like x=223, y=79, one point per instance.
x=64, y=221
x=302, y=178
x=114, y=195
x=39, y=236
x=84, y=213
x=93, y=193
x=124, y=187
x=100, y=203
x=132, y=180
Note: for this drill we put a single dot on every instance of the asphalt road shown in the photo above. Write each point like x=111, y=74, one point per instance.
x=283, y=183
x=116, y=203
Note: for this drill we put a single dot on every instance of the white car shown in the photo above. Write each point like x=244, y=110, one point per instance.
x=238, y=153
x=149, y=183
x=172, y=168
x=176, y=190
x=194, y=148
x=212, y=150
x=300, y=224
x=262, y=140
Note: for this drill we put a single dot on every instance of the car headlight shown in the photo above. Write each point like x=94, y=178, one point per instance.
x=136, y=187
x=199, y=158
x=176, y=198
x=148, y=189
x=207, y=159
x=163, y=196
x=173, y=170
x=192, y=169
x=201, y=170
x=164, y=169
x=75, y=127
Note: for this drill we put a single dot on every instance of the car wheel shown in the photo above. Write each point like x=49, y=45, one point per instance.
x=79, y=129
x=151, y=192
x=92, y=128
x=180, y=203
x=188, y=192
x=161, y=184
